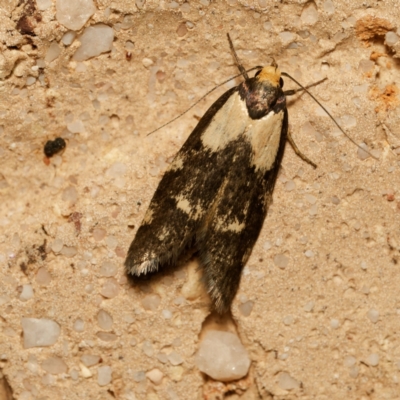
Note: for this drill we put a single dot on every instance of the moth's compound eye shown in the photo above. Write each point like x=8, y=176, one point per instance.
x=281, y=82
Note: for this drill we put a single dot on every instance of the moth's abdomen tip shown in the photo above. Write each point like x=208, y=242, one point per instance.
x=142, y=267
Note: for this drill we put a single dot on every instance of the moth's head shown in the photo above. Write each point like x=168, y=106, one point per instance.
x=270, y=74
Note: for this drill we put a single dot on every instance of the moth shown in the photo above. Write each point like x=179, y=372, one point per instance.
x=216, y=193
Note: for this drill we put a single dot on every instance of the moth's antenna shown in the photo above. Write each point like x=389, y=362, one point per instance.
x=239, y=65
x=202, y=97
x=289, y=92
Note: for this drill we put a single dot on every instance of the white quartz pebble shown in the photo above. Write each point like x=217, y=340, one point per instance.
x=287, y=382
x=54, y=365
x=95, y=40
x=26, y=293
x=155, y=375
x=222, y=356
x=52, y=52
x=73, y=14
x=104, y=320
x=373, y=315
x=39, y=332
x=309, y=15
x=104, y=375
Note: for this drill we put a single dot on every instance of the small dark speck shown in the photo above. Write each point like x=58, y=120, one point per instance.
x=131, y=226
x=54, y=146
x=23, y=267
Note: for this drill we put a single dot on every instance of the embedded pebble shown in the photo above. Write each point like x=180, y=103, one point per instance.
x=309, y=15
x=73, y=14
x=111, y=242
x=174, y=358
x=155, y=375
x=110, y=288
x=43, y=277
x=139, y=376
x=76, y=126
x=147, y=348
x=182, y=29
x=329, y=7
x=89, y=360
x=30, y=80
x=57, y=245
x=287, y=37
x=349, y=361
x=99, y=234
x=281, y=261
x=26, y=293
x=54, y=366
x=391, y=38
x=290, y=185
x=309, y=253
x=363, y=265
x=106, y=336
x=104, y=375
x=69, y=251
x=310, y=198
x=147, y=62
x=334, y=323
x=373, y=315
x=222, y=356
x=267, y=245
x=309, y=306
x=335, y=200
x=39, y=332
x=151, y=302
x=70, y=194
x=43, y=5
x=373, y=359
x=116, y=170
x=361, y=154
x=74, y=374
x=53, y=52
x=288, y=320
x=348, y=121
x=85, y=371
x=104, y=320
x=366, y=65
x=167, y=314
x=68, y=37
x=267, y=25
x=108, y=269
x=79, y=325
x=95, y=40
x=162, y=357
x=287, y=382
x=246, y=308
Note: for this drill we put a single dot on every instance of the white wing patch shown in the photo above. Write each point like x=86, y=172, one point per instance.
x=232, y=121
x=227, y=125
x=264, y=135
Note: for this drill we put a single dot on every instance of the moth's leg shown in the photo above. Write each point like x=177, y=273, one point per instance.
x=298, y=152
x=294, y=91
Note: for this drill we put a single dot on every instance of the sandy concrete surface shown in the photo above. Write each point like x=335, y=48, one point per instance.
x=318, y=307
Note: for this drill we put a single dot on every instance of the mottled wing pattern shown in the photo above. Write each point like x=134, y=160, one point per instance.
x=181, y=200
x=230, y=232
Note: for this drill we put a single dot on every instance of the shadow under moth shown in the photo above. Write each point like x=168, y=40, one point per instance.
x=215, y=195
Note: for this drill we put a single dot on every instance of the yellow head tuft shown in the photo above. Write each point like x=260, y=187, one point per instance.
x=272, y=74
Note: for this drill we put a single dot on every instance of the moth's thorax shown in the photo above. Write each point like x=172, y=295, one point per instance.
x=263, y=93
